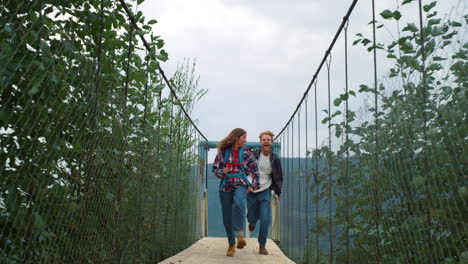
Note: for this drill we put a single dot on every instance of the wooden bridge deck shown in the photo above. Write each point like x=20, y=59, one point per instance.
x=210, y=250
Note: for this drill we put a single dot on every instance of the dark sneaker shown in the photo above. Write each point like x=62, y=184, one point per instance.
x=263, y=250
x=251, y=228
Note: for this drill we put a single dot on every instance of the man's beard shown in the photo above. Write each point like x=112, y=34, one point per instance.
x=266, y=147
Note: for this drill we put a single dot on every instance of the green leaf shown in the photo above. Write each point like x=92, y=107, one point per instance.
x=140, y=1
x=435, y=67
x=110, y=196
x=386, y=14
x=363, y=88
x=159, y=87
x=139, y=76
x=159, y=43
x=38, y=221
x=460, y=55
x=393, y=44
x=337, y=102
x=336, y=113
x=152, y=21
x=430, y=47
x=34, y=90
x=433, y=21
x=338, y=131
x=356, y=42
x=365, y=41
x=450, y=35
x=325, y=120
x=379, y=46
x=437, y=58
x=12, y=197
x=407, y=47
x=3, y=116
x=410, y=61
x=352, y=93
x=77, y=147
x=437, y=31
x=433, y=14
x=428, y=7
x=411, y=27
x=455, y=24
x=154, y=64
x=163, y=56
x=406, y=2
x=445, y=43
x=397, y=15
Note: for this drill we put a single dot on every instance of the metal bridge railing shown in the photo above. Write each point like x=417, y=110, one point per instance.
x=98, y=153
x=379, y=176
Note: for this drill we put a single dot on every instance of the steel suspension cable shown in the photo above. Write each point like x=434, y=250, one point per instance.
x=347, y=147
x=314, y=78
x=288, y=171
x=426, y=169
x=376, y=155
x=147, y=46
x=316, y=177
x=329, y=158
x=293, y=240
x=299, y=178
x=307, y=174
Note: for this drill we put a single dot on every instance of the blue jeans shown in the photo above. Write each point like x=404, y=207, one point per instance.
x=259, y=207
x=233, y=209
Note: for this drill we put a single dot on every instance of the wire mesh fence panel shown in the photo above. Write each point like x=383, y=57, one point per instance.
x=379, y=176
x=98, y=158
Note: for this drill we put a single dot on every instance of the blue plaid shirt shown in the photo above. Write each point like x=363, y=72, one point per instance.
x=250, y=166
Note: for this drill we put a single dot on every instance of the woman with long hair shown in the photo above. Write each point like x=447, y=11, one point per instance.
x=232, y=165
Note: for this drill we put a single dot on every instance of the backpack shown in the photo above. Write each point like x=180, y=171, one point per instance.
x=240, y=174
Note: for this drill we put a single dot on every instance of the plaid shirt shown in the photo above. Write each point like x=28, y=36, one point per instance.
x=250, y=166
x=276, y=173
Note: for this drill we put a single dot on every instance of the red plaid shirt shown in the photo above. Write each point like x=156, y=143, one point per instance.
x=250, y=167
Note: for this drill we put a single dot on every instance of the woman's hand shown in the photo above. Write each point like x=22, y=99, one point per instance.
x=276, y=199
x=225, y=170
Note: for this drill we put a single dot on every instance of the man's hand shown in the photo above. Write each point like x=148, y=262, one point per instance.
x=226, y=169
x=276, y=199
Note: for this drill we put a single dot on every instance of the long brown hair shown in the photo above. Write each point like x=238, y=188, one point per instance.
x=231, y=139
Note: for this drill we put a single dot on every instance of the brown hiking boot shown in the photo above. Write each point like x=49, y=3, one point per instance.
x=241, y=241
x=231, y=250
x=263, y=250
x=251, y=228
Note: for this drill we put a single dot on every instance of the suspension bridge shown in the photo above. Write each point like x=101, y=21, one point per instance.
x=101, y=161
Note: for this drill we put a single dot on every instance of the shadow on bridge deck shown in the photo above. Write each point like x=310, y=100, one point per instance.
x=210, y=250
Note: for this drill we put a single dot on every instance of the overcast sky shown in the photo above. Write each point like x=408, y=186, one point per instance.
x=256, y=57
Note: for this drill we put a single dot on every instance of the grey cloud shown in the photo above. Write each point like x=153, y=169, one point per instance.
x=256, y=73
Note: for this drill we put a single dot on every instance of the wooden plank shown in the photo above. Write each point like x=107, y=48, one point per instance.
x=212, y=250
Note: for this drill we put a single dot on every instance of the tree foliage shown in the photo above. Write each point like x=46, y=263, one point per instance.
x=404, y=199
x=94, y=158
